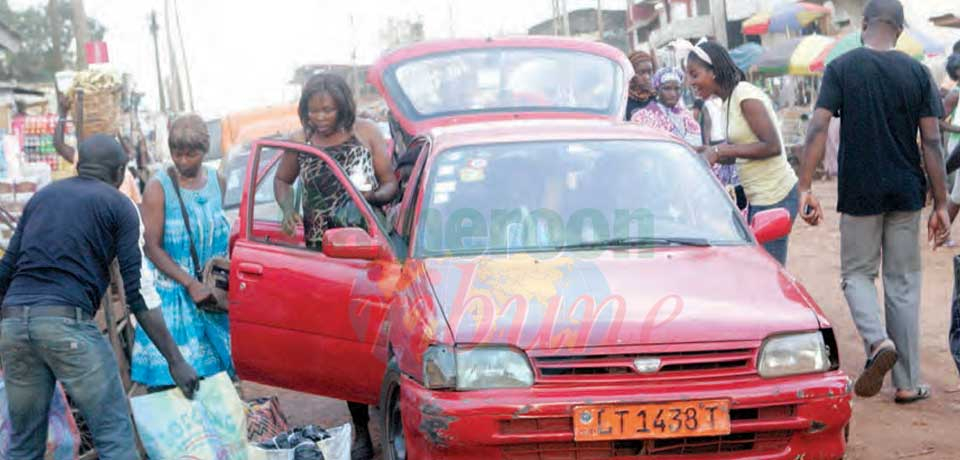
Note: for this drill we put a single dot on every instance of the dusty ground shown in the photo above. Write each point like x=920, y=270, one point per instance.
x=928, y=430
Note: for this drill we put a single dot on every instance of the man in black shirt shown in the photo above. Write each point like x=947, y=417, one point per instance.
x=883, y=98
x=52, y=278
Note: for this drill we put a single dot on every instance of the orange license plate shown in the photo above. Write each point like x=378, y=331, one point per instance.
x=651, y=421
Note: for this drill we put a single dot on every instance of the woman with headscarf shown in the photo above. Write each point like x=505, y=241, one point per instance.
x=666, y=113
x=641, y=88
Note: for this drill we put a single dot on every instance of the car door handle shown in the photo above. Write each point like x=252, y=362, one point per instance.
x=248, y=268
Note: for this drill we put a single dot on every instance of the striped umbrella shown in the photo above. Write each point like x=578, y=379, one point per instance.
x=912, y=42
x=794, y=56
x=785, y=17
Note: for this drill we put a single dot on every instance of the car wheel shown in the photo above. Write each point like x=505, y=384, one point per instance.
x=393, y=440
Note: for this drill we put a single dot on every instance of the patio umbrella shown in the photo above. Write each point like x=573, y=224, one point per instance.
x=912, y=42
x=794, y=56
x=783, y=18
x=746, y=55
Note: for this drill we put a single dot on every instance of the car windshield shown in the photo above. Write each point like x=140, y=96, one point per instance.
x=572, y=195
x=507, y=79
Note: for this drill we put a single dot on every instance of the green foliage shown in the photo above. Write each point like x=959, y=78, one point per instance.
x=37, y=59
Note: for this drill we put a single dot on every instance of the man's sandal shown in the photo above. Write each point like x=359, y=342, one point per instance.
x=871, y=380
x=923, y=392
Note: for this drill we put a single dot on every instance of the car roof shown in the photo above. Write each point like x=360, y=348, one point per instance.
x=542, y=130
x=429, y=47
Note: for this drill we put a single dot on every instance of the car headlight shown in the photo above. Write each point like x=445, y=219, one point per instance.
x=439, y=367
x=794, y=354
x=476, y=368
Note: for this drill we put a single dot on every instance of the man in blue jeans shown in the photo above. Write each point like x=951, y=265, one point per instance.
x=52, y=278
x=884, y=99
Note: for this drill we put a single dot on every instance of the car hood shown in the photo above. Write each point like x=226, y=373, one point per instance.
x=613, y=298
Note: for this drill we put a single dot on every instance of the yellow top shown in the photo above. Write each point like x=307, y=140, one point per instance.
x=768, y=181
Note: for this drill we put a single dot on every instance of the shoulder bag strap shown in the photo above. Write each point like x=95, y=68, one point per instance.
x=186, y=223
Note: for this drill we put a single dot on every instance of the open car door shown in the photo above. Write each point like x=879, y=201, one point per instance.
x=306, y=318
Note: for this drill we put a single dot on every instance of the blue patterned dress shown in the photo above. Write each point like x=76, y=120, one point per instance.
x=204, y=338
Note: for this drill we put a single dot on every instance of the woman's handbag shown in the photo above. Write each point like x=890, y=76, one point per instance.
x=216, y=273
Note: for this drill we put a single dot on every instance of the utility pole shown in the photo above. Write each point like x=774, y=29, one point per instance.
x=56, y=30
x=718, y=11
x=80, y=32
x=355, y=82
x=154, y=28
x=566, y=18
x=600, y=20
x=176, y=94
x=630, y=29
x=450, y=17
x=183, y=51
x=556, y=16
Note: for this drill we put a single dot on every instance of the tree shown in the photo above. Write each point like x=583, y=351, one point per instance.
x=40, y=56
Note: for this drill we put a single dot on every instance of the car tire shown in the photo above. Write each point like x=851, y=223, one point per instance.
x=393, y=440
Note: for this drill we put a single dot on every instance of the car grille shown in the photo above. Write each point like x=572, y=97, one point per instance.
x=770, y=441
x=751, y=441
x=698, y=365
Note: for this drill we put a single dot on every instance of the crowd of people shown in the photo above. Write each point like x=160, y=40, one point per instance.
x=873, y=102
x=48, y=334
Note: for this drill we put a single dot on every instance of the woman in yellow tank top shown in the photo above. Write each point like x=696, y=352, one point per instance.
x=754, y=142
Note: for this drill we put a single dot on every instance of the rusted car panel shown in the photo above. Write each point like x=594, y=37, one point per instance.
x=775, y=419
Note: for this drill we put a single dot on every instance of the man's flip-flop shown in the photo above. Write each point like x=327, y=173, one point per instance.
x=871, y=380
x=923, y=392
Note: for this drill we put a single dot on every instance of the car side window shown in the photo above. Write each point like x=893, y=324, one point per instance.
x=316, y=195
x=266, y=215
x=405, y=222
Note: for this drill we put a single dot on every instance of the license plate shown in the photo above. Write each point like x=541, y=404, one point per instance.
x=651, y=421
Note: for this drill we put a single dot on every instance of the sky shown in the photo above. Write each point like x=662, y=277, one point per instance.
x=242, y=53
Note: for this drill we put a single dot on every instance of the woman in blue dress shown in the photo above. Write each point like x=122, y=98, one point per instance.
x=204, y=338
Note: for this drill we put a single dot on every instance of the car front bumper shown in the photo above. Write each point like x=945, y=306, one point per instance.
x=793, y=417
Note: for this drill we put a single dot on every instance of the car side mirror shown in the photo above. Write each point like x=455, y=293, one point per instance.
x=771, y=225
x=350, y=243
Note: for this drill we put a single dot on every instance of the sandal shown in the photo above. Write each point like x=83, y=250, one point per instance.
x=923, y=392
x=871, y=380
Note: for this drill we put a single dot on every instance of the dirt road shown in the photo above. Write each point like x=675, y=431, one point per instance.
x=881, y=430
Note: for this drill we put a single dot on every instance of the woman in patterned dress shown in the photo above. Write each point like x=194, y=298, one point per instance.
x=666, y=114
x=328, y=115
x=203, y=337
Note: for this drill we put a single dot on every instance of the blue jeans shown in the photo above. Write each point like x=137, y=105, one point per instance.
x=37, y=352
x=778, y=248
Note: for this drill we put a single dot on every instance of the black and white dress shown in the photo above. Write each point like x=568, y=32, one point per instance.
x=322, y=192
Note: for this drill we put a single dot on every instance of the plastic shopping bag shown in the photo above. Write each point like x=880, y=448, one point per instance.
x=212, y=426
x=264, y=419
x=63, y=437
x=306, y=443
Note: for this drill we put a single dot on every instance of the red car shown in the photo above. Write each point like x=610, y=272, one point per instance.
x=549, y=288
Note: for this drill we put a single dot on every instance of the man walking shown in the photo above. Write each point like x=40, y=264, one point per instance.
x=52, y=278
x=883, y=97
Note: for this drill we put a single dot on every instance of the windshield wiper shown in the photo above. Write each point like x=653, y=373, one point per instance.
x=640, y=242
